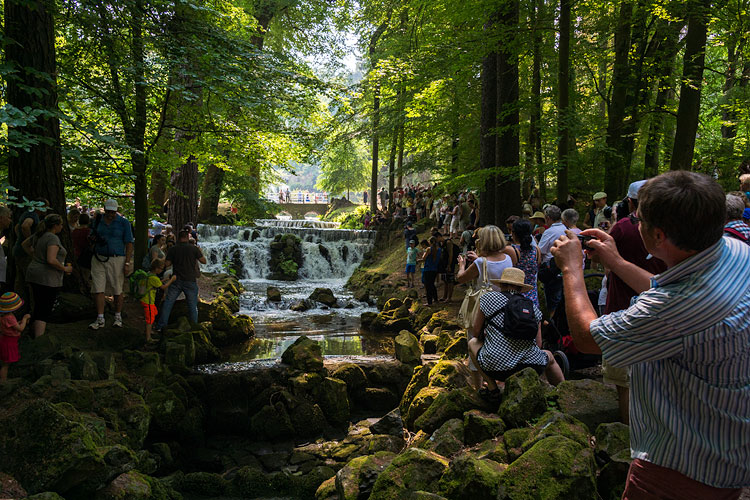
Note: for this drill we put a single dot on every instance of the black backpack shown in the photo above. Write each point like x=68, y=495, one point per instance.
x=519, y=321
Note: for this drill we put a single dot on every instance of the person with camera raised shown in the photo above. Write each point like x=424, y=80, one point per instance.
x=684, y=339
x=113, y=249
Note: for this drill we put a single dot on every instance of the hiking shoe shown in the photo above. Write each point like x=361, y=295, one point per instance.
x=98, y=323
x=117, y=323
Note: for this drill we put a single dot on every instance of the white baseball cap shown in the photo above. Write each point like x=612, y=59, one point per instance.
x=111, y=204
x=634, y=188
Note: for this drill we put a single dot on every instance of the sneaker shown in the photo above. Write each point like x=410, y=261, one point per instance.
x=98, y=323
x=117, y=323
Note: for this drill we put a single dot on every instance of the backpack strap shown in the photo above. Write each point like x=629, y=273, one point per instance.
x=736, y=234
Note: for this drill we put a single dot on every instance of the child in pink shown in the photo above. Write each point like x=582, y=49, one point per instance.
x=11, y=329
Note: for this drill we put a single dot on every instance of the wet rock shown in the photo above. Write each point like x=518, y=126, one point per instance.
x=523, y=399
x=304, y=354
x=10, y=488
x=327, y=490
x=167, y=409
x=105, y=363
x=469, y=477
x=491, y=449
x=273, y=294
x=379, y=399
x=448, y=405
x=353, y=375
x=415, y=469
x=362, y=296
x=480, y=426
x=174, y=355
x=555, y=467
x=589, y=401
x=356, y=479
x=429, y=343
x=445, y=320
x=306, y=385
x=390, y=424
x=186, y=340
x=324, y=296
x=420, y=403
x=334, y=401
x=301, y=306
x=448, y=439
x=447, y=337
x=392, y=304
x=611, y=439
x=407, y=348
x=449, y=374
x=286, y=257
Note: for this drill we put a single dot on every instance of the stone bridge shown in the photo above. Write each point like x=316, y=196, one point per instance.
x=299, y=210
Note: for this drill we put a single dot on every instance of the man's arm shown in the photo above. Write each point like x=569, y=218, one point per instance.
x=580, y=312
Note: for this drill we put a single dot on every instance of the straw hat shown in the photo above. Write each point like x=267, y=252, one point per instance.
x=9, y=302
x=513, y=276
x=537, y=215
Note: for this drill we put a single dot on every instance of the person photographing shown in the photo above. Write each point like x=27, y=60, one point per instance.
x=684, y=339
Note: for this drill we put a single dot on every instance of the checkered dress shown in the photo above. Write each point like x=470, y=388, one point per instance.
x=500, y=353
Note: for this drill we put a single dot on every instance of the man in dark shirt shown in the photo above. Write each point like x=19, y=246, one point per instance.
x=410, y=234
x=184, y=258
x=631, y=248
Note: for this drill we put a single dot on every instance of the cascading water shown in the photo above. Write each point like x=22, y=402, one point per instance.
x=330, y=255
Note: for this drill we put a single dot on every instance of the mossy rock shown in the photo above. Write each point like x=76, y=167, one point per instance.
x=391, y=424
x=127, y=486
x=356, y=479
x=469, y=477
x=443, y=319
x=367, y=318
x=186, y=340
x=491, y=449
x=324, y=296
x=555, y=467
x=47, y=451
x=514, y=439
x=334, y=401
x=429, y=343
x=204, y=483
x=448, y=439
x=407, y=348
x=524, y=398
x=589, y=401
x=273, y=294
x=420, y=314
x=47, y=495
x=448, y=405
x=272, y=422
x=379, y=399
x=554, y=423
x=611, y=439
x=327, y=490
x=307, y=419
x=415, y=469
x=167, y=410
x=612, y=476
x=304, y=354
x=446, y=337
x=420, y=403
x=458, y=349
x=306, y=384
x=83, y=366
x=392, y=304
x=147, y=364
x=480, y=426
x=353, y=375
x=449, y=374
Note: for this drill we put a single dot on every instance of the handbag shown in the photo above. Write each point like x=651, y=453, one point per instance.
x=470, y=304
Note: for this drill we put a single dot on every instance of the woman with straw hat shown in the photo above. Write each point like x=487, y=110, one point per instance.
x=11, y=330
x=498, y=355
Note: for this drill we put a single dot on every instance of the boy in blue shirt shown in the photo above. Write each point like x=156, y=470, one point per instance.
x=411, y=263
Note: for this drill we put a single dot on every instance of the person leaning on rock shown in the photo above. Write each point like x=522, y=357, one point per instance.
x=684, y=339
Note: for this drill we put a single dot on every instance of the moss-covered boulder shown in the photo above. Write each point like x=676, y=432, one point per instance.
x=286, y=257
x=555, y=467
x=469, y=477
x=333, y=400
x=420, y=403
x=611, y=439
x=353, y=375
x=47, y=450
x=134, y=485
x=612, y=476
x=147, y=364
x=524, y=398
x=407, y=349
x=379, y=399
x=324, y=296
x=307, y=419
x=443, y=319
x=327, y=490
x=204, y=483
x=366, y=319
x=82, y=366
x=458, y=349
x=167, y=409
x=429, y=343
x=448, y=405
x=419, y=380
x=356, y=479
x=448, y=439
x=413, y=470
x=304, y=354
x=554, y=423
x=390, y=424
x=449, y=374
x=514, y=440
x=306, y=385
x=480, y=426
x=491, y=449
x=589, y=401
x=272, y=422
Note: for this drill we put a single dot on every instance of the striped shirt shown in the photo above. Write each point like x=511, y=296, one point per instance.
x=687, y=342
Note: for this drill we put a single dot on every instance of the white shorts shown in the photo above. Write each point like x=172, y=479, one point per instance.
x=108, y=277
x=454, y=225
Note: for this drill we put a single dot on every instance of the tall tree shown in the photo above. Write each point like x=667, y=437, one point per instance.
x=690, y=89
x=375, y=114
x=488, y=122
x=564, y=117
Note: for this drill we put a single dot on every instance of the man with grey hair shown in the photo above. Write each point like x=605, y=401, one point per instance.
x=735, y=226
x=6, y=219
x=570, y=219
x=549, y=274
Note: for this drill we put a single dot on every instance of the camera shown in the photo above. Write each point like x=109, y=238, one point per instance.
x=583, y=239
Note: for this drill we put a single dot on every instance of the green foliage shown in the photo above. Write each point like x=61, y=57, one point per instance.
x=345, y=167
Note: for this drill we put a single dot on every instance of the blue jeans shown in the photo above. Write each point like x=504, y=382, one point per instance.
x=190, y=288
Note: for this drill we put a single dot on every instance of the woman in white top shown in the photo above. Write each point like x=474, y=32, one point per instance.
x=498, y=255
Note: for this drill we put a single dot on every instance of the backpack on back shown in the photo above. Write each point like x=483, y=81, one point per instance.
x=139, y=284
x=519, y=321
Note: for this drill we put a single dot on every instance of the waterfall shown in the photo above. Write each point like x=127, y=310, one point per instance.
x=328, y=252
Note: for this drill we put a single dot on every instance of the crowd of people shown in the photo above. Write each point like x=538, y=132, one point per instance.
x=102, y=247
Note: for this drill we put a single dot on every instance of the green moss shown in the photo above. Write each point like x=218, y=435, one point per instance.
x=448, y=439
x=469, y=477
x=250, y=482
x=481, y=426
x=415, y=469
x=449, y=374
x=554, y=423
x=304, y=354
x=204, y=483
x=419, y=404
x=334, y=401
x=524, y=398
x=353, y=375
x=348, y=482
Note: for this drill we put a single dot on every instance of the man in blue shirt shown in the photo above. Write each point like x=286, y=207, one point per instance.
x=111, y=262
x=685, y=339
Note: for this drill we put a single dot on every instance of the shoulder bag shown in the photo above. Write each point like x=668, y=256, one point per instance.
x=470, y=305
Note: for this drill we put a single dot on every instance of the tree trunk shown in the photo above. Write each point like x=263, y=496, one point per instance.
x=183, y=198
x=614, y=167
x=507, y=150
x=213, y=180
x=690, y=89
x=487, y=124
x=563, y=103
x=400, y=161
x=392, y=167
x=375, y=149
x=138, y=133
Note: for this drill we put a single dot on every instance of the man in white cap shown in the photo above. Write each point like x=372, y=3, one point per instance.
x=111, y=262
x=595, y=216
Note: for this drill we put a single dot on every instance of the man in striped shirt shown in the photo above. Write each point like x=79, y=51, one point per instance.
x=686, y=339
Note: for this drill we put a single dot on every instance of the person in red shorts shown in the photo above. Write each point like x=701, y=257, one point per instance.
x=148, y=301
x=11, y=330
